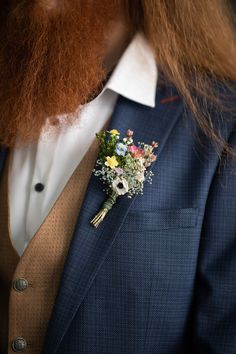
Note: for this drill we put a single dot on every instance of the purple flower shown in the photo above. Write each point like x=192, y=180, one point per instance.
x=119, y=171
x=121, y=149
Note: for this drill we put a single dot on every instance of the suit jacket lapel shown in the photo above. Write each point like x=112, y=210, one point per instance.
x=90, y=246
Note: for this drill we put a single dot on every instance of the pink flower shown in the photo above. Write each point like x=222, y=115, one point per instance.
x=136, y=151
x=133, y=148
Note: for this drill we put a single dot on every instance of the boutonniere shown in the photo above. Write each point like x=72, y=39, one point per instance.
x=122, y=166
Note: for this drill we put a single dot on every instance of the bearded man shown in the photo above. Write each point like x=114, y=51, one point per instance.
x=158, y=274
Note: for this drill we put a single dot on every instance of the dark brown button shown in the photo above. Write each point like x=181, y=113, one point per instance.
x=20, y=284
x=19, y=345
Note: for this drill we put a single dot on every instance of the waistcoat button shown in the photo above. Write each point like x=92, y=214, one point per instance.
x=20, y=284
x=19, y=345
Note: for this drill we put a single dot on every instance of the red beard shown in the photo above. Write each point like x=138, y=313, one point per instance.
x=51, y=55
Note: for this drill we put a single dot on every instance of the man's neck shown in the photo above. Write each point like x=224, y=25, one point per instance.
x=117, y=42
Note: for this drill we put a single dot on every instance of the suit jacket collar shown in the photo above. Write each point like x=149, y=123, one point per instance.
x=90, y=246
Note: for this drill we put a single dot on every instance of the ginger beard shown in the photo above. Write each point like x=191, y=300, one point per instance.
x=51, y=61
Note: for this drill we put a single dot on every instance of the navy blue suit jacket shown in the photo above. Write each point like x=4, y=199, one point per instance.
x=159, y=274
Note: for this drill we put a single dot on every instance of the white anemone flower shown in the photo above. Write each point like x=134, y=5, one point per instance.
x=120, y=186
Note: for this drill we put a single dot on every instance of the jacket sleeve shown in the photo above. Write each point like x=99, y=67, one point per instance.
x=214, y=326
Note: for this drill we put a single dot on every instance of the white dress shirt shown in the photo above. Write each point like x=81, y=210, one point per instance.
x=50, y=162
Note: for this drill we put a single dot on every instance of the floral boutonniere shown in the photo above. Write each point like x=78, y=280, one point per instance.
x=122, y=166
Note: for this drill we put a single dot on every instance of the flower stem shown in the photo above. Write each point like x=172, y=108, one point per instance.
x=107, y=205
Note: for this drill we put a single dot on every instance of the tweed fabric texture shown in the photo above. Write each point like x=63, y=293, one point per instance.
x=41, y=264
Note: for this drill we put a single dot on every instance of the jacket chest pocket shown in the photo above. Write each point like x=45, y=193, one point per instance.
x=162, y=219
x=157, y=246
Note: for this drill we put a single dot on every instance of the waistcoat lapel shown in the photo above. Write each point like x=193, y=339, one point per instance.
x=90, y=246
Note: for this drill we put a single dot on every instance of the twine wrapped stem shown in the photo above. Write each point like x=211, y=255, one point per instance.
x=107, y=205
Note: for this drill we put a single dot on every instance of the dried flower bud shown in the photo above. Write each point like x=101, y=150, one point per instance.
x=154, y=144
x=129, y=133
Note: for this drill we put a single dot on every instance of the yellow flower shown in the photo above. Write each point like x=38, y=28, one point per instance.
x=114, y=132
x=111, y=162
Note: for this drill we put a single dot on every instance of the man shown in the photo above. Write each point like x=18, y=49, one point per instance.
x=158, y=274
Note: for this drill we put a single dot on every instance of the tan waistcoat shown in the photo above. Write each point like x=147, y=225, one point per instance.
x=26, y=313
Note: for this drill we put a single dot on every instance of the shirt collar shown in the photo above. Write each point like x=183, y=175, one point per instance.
x=135, y=76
